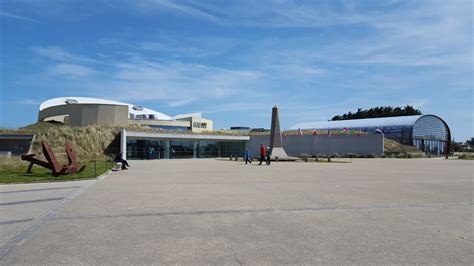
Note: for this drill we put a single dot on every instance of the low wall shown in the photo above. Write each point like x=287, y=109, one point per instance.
x=15, y=144
x=295, y=145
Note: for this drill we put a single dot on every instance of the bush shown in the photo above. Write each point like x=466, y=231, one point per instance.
x=304, y=156
x=466, y=156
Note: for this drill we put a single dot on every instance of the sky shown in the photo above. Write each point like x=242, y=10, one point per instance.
x=234, y=60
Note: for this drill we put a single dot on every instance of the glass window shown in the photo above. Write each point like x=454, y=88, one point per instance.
x=226, y=149
x=145, y=149
x=182, y=149
x=207, y=149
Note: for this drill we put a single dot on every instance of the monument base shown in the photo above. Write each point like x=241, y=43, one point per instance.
x=279, y=152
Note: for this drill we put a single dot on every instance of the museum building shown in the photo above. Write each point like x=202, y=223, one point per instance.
x=188, y=135
x=429, y=133
x=83, y=111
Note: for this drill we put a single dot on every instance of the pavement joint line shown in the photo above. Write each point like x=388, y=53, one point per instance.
x=289, y=182
x=7, y=246
x=29, y=201
x=16, y=221
x=34, y=190
x=165, y=214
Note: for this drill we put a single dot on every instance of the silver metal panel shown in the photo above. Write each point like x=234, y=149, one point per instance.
x=361, y=123
x=186, y=136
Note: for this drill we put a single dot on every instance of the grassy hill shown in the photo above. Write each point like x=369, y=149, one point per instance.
x=394, y=148
x=89, y=142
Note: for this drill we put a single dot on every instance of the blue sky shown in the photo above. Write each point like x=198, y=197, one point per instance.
x=234, y=60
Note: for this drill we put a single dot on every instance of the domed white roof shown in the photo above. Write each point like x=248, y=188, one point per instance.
x=357, y=123
x=132, y=109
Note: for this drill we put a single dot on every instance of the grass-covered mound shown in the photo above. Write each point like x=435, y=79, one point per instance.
x=91, y=143
x=393, y=148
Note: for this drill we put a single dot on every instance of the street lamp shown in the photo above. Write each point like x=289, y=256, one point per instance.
x=383, y=138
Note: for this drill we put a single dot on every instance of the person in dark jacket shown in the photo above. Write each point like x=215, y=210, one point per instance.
x=263, y=153
x=119, y=159
x=247, y=157
x=267, y=161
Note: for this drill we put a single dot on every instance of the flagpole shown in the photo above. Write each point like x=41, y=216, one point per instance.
x=383, y=139
x=329, y=137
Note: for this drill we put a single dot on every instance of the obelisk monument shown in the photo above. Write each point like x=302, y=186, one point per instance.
x=276, y=145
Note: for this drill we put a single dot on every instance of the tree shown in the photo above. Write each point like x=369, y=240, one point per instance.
x=380, y=111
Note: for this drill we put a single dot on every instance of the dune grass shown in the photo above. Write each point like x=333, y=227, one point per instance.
x=395, y=149
x=465, y=156
x=89, y=142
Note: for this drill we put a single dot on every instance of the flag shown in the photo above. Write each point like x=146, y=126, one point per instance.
x=300, y=132
x=314, y=132
x=379, y=131
x=284, y=133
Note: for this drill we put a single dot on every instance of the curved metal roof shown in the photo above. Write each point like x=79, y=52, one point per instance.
x=361, y=123
x=132, y=109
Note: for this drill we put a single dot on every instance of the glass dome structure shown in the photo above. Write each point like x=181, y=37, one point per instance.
x=429, y=133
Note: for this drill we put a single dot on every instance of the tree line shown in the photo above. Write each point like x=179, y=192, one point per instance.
x=381, y=111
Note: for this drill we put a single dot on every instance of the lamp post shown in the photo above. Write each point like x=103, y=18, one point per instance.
x=383, y=138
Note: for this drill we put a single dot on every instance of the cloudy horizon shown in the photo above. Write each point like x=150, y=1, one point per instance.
x=233, y=61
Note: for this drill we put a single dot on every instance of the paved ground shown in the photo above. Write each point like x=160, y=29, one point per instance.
x=25, y=207
x=221, y=212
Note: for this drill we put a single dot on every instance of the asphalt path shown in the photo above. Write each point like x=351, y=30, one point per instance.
x=223, y=212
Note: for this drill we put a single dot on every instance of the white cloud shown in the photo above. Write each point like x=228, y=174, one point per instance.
x=173, y=83
x=180, y=82
x=27, y=101
x=59, y=54
x=178, y=103
x=10, y=15
x=237, y=106
x=71, y=70
x=183, y=8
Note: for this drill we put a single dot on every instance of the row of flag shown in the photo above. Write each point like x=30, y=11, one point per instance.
x=344, y=130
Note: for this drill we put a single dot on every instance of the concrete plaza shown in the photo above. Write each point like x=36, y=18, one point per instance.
x=222, y=212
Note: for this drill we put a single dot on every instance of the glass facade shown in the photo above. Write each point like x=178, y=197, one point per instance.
x=170, y=128
x=430, y=134
x=182, y=149
x=401, y=134
x=138, y=148
x=147, y=149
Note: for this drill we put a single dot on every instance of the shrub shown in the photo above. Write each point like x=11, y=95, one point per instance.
x=304, y=156
x=466, y=156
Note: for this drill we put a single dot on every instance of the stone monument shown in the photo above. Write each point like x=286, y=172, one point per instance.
x=276, y=145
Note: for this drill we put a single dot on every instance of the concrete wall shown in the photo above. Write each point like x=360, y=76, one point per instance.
x=295, y=145
x=198, y=124
x=89, y=114
x=16, y=144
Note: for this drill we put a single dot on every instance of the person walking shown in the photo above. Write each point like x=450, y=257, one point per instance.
x=267, y=161
x=247, y=157
x=263, y=153
x=150, y=153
